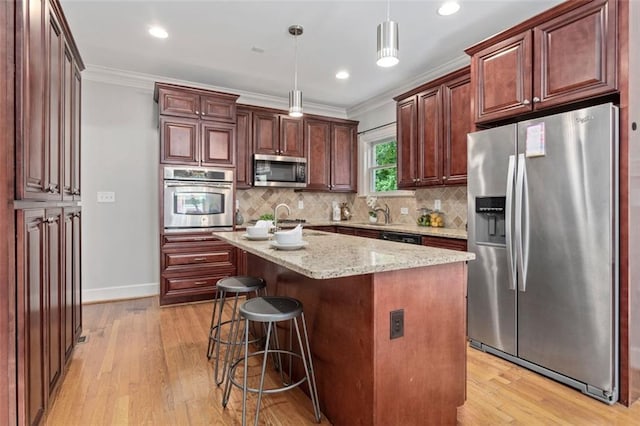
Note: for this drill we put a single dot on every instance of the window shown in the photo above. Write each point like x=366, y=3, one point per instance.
x=383, y=166
x=378, y=166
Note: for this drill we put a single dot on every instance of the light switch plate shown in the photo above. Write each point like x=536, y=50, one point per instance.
x=300, y=204
x=106, y=197
x=437, y=205
x=404, y=210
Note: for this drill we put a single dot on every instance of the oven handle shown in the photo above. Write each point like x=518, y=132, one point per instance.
x=207, y=185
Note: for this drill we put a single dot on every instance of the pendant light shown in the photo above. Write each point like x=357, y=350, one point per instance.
x=295, y=96
x=388, y=42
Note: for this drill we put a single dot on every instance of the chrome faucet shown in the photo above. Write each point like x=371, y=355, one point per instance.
x=387, y=213
x=275, y=215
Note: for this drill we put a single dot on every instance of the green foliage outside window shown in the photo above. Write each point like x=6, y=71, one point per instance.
x=385, y=162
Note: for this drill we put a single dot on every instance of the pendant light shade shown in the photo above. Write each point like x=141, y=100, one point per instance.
x=295, y=96
x=388, y=42
x=295, y=103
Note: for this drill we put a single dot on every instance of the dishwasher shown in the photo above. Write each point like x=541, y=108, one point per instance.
x=401, y=237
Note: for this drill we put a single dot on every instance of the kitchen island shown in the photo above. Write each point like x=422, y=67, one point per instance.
x=349, y=286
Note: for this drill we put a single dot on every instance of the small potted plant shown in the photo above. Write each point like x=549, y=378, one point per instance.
x=373, y=216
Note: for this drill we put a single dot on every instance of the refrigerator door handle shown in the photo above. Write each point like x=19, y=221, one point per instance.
x=508, y=223
x=521, y=184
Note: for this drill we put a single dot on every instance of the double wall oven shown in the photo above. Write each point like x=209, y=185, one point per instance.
x=198, y=199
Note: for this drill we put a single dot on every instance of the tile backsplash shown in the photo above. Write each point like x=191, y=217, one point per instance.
x=317, y=205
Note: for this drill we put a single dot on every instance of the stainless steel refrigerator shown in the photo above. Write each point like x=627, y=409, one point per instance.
x=543, y=223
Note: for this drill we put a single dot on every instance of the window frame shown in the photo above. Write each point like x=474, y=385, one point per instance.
x=366, y=147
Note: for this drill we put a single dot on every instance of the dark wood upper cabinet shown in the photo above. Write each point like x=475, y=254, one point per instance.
x=277, y=134
x=266, y=132
x=331, y=155
x=218, y=143
x=291, y=136
x=244, y=148
x=407, y=139
x=432, y=125
x=197, y=127
x=456, y=96
x=317, y=134
x=558, y=57
x=44, y=149
x=76, y=139
x=344, y=157
x=192, y=103
x=179, y=140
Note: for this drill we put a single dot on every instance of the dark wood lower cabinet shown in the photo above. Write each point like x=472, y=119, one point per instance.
x=445, y=243
x=48, y=303
x=191, y=265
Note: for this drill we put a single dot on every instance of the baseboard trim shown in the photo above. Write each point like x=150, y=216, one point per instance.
x=91, y=295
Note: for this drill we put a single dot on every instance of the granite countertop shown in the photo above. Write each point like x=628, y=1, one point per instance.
x=329, y=255
x=459, y=234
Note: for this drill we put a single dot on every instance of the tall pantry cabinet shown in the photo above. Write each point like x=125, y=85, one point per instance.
x=47, y=315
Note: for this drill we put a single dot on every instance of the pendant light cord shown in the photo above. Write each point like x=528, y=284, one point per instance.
x=388, y=9
x=295, y=65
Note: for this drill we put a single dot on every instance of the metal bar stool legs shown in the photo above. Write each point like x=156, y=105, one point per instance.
x=240, y=285
x=270, y=310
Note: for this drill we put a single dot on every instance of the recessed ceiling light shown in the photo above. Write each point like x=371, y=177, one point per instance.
x=342, y=75
x=448, y=8
x=158, y=32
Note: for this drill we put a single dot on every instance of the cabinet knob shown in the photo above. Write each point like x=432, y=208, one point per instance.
x=197, y=112
x=526, y=102
x=536, y=100
x=204, y=114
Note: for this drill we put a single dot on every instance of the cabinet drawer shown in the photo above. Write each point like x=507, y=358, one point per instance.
x=445, y=243
x=217, y=258
x=189, y=240
x=199, y=282
x=368, y=233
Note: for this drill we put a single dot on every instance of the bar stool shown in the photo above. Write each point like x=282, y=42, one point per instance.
x=269, y=310
x=240, y=285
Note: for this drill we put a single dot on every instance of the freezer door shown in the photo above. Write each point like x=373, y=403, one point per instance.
x=567, y=291
x=491, y=291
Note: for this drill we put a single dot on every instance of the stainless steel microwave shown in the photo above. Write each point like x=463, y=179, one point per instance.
x=278, y=170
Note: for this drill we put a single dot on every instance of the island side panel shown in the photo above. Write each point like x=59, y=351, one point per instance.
x=420, y=378
x=339, y=315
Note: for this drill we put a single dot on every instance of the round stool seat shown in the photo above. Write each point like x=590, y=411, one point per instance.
x=271, y=308
x=240, y=284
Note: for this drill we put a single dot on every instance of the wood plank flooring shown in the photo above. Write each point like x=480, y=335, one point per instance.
x=143, y=364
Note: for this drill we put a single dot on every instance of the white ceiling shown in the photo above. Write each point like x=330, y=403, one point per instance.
x=210, y=42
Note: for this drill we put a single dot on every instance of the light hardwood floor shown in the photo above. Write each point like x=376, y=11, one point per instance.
x=143, y=364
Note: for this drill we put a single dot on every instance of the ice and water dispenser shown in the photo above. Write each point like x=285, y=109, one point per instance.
x=490, y=220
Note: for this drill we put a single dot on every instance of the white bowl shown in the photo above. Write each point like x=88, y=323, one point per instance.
x=261, y=231
x=285, y=237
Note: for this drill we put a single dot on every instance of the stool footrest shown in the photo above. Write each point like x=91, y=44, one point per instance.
x=235, y=364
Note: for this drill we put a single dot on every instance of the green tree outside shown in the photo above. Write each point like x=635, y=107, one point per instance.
x=386, y=179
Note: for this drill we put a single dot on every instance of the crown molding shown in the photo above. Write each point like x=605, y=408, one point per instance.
x=146, y=82
x=387, y=97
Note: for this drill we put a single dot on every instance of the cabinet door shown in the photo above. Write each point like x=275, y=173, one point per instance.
x=53, y=310
x=503, y=78
x=218, y=143
x=575, y=55
x=317, y=136
x=181, y=103
x=344, y=158
x=457, y=123
x=76, y=110
x=265, y=133
x=244, y=148
x=218, y=108
x=54, y=142
x=291, y=136
x=179, y=138
x=445, y=243
x=406, y=117
x=67, y=284
x=31, y=177
x=77, y=275
x=429, y=151
x=67, y=125
x=31, y=322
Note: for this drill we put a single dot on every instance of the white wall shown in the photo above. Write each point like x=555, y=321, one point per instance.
x=120, y=153
x=383, y=114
